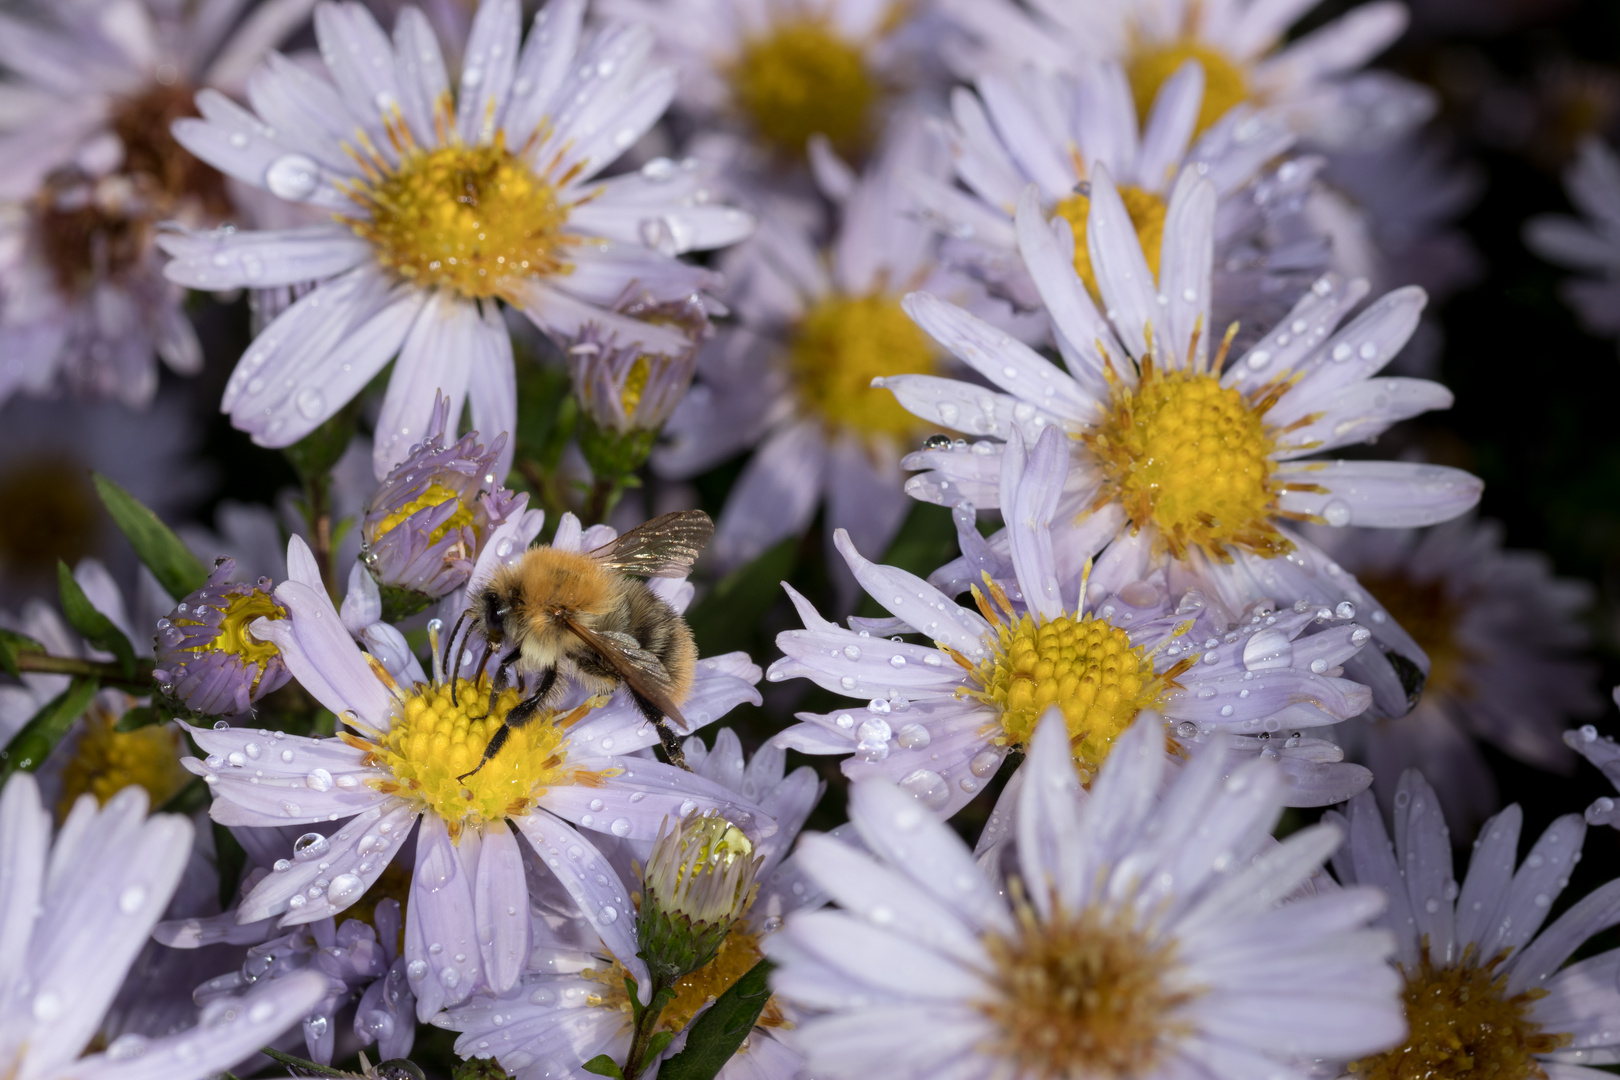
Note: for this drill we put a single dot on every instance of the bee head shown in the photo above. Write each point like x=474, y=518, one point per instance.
x=493, y=610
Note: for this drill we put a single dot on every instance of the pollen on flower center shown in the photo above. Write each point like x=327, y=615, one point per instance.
x=1193, y=458
x=1083, y=994
x=468, y=218
x=738, y=953
x=106, y=761
x=841, y=345
x=435, y=740
x=1425, y=610
x=1461, y=1024
x=1225, y=83
x=803, y=79
x=1087, y=667
x=435, y=495
x=1146, y=211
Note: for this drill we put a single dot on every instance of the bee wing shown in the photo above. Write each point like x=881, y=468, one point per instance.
x=640, y=669
x=666, y=546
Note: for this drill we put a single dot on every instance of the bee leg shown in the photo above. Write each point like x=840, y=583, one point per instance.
x=498, y=683
x=521, y=714
x=666, y=734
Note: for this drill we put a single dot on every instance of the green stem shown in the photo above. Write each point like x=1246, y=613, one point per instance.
x=605, y=494
x=647, y=1027
x=318, y=491
x=109, y=674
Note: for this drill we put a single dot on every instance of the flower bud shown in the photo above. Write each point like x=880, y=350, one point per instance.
x=427, y=522
x=207, y=658
x=699, y=880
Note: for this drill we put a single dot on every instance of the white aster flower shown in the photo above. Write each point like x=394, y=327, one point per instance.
x=1179, y=458
x=88, y=169
x=571, y=1005
x=1054, y=129
x=1316, y=80
x=1590, y=243
x=74, y=915
x=817, y=325
x=443, y=207
x=1503, y=637
x=1140, y=935
x=466, y=927
x=942, y=716
x=1485, y=995
x=778, y=72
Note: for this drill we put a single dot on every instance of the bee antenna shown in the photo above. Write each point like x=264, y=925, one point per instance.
x=483, y=661
x=450, y=672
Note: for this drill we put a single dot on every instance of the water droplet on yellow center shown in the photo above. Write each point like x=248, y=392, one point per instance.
x=435, y=495
x=1461, y=1024
x=1087, y=667
x=1225, y=83
x=1193, y=458
x=803, y=79
x=841, y=345
x=106, y=761
x=1147, y=215
x=434, y=741
x=1081, y=995
x=474, y=219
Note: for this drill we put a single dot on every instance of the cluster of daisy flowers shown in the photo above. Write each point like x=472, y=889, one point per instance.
x=1122, y=692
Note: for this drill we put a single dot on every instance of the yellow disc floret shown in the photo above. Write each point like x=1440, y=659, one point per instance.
x=803, y=79
x=435, y=495
x=473, y=219
x=434, y=741
x=1225, y=83
x=1147, y=215
x=1081, y=995
x=1193, y=458
x=1461, y=1024
x=106, y=761
x=738, y=953
x=841, y=345
x=1085, y=666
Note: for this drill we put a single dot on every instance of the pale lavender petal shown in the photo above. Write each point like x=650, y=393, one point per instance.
x=501, y=908
x=439, y=932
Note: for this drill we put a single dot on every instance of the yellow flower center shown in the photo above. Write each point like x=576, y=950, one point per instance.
x=1080, y=995
x=1461, y=1024
x=434, y=741
x=435, y=495
x=1225, y=83
x=468, y=218
x=738, y=953
x=635, y=384
x=1193, y=458
x=841, y=345
x=51, y=513
x=803, y=79
x=106, y=761
x=1085, y=666
x=1147, y=214
x=234, y=637
x=143, y=123
x=1426, y=612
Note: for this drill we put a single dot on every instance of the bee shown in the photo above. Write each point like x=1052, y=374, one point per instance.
x=581, y=613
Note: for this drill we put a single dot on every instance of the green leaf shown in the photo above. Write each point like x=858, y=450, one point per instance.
x=715, y=1036
x=304, y=1066
x=91, y=624
x=655, y=1046
x=728, y=617
x=314, y=455
x=30, y=746
x=602, y=1065
x=165, y=554
x=12, y=643
x=229, y=858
